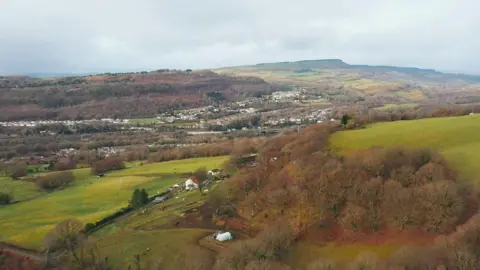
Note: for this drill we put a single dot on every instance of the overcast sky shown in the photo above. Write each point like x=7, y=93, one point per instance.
x=75, y=36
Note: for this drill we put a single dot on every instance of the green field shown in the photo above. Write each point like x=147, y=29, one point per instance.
x=175, y=166
x=143, y=121
x=91, y=198
x=163, y=245
x=397, y=106
x=33, y=169
x=457, y=138
x=152, y=228
x=20, y=190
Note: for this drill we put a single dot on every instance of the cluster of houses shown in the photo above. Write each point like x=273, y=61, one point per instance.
x=191, y=183
x=184, y=115
x=315, y=116
x=285, y=95
x=66, y=122
x=102, y=151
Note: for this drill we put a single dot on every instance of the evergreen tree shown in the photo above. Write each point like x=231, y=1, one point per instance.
x=144, y=197
x=345, y=119
x=139, y=198
x=136, y=201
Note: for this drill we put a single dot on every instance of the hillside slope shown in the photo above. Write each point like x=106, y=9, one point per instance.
x=346, y=83
x=122, y=95
x=455, y=137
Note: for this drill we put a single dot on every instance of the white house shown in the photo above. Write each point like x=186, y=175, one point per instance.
x=190, y=184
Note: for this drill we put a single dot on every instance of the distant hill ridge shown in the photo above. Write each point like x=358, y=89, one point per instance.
x=340, y=64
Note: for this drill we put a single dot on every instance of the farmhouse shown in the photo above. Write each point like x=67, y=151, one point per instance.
x=191, y=183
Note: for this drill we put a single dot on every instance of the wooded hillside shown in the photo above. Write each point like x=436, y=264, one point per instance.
x=123, y=95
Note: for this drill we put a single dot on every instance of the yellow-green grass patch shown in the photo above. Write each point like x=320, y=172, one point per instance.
x=305, y=252
x=174, y=167
x=27, y=223
x=20, y=190
x=143, y=121
x=413, y=94
x=397, y=106
x=162, y=245
x=79, y=174
x=454, y=137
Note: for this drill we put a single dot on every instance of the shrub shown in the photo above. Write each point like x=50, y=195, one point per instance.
x=55, y=180
x=19, y=170
x=66, y=236
x=65, y=164
x=5, y=198
x=108, y=164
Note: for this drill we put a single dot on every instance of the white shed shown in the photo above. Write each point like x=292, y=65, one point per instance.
x=224, y=236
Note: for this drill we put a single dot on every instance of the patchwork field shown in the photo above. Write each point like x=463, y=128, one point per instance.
x=454, y=137
x=356, y=82
x=91, y=198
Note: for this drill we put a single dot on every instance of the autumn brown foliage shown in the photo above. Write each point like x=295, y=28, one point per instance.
x=259, y=252
x=55, y=180
x=236, y=147
x=125, y=95
x=108, y=164
x=64, y=164
x=18, y=170
x=397, y=188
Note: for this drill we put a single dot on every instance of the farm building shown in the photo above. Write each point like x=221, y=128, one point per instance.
x=191, y=184
x=226, y=236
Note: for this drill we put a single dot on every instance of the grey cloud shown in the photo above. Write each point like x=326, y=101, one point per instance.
x=91, y=35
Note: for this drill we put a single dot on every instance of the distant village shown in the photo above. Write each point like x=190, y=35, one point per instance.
x=197, y=120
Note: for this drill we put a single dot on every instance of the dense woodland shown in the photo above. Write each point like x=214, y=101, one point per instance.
x=125, y=95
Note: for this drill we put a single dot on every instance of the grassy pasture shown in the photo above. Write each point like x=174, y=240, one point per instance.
x=174, y=167
x=90, y=198
x=32, y=169
x=413, y=94
x=152, y=228
x=20, y=190
x=26, y=223
x=143, y=121
x=457, y=138
x=163, y=245
x=397, y=106
x=304, y=253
